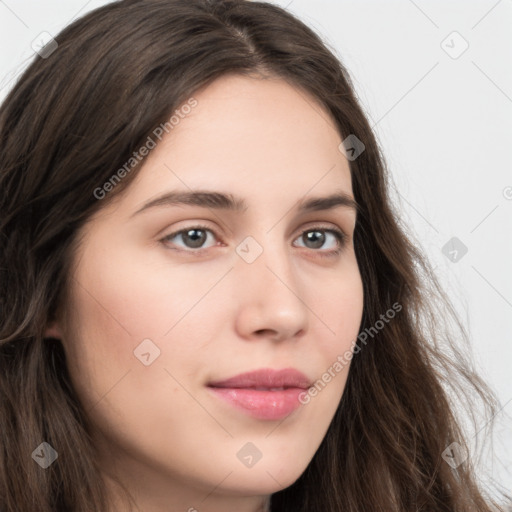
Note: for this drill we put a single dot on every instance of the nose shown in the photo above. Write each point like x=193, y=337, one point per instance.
x=269, y=296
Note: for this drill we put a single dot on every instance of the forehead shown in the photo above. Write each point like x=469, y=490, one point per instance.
x=261, y=139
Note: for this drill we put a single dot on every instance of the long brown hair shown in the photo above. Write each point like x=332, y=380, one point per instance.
x=72, y=120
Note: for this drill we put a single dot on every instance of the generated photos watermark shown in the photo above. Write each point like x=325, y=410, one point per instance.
x=137, y=156
x=344, y=359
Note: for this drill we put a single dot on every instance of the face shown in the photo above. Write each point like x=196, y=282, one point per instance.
x=169, y=299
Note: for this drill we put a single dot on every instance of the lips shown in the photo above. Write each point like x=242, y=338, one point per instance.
x=264, y=394
x=266, y=379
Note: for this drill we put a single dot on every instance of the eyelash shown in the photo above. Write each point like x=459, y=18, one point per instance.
x=341, y=237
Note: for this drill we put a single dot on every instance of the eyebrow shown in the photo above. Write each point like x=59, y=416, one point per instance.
x=229, y=202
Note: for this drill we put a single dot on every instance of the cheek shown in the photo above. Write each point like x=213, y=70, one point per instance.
x=144, y=291
x=118, y=303
x=119, y=392
x=339, y=308
x=98, y=347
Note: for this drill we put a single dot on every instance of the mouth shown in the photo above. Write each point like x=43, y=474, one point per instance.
x=259, y=388
x=266, y=379
x=263, y=404
x=265, y=394
x=255, y=388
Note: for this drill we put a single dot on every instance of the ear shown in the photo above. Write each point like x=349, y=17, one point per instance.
x=53, y=331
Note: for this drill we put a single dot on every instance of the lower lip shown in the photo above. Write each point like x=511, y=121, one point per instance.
x=264, y=405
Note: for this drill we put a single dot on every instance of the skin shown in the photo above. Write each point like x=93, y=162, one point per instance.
x=158, y=428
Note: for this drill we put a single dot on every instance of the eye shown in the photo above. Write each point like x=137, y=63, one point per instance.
x=194, y=238
x=317, y=236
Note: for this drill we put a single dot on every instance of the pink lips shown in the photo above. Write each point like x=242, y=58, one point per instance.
x=264, y=394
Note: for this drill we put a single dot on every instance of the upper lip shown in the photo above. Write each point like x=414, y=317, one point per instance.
x=266, y=378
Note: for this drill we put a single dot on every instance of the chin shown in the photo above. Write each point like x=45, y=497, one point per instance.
x=266, y=479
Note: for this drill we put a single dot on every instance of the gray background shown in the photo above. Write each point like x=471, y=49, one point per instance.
x=444, y=119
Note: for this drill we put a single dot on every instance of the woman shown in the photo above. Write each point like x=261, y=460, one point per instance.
x=208, y=303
